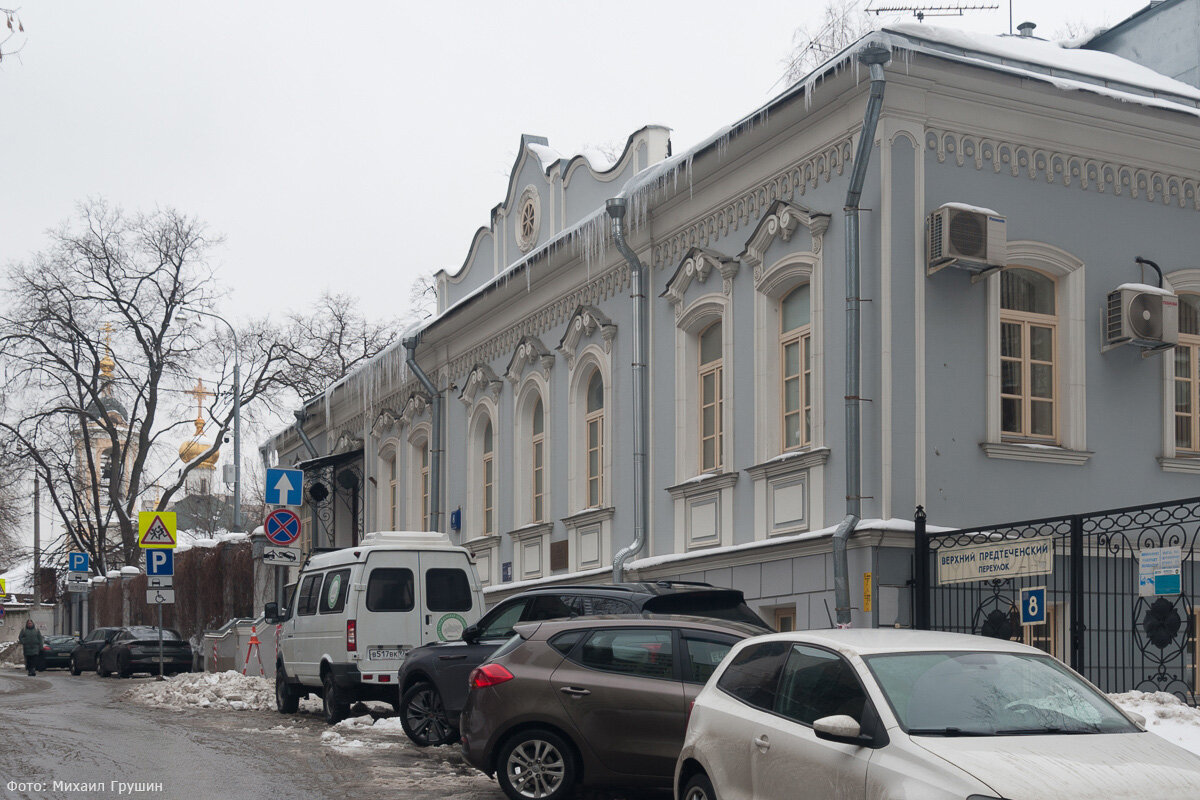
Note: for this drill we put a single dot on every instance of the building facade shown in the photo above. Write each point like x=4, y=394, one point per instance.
x=987, y=394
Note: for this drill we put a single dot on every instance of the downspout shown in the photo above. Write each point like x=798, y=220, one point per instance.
x=874, y=56
x=435, y=447
x=641, y=404
x=302, y=417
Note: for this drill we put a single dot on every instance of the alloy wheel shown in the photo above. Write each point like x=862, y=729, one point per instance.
x=536, y=769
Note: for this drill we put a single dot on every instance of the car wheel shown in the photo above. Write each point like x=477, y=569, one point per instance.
x=335, y=707
x=123, y=668
x=536, y=765
x=75, y=670
x=286, y=699
x=699, y=787
x=100, y=670
x=423, y=716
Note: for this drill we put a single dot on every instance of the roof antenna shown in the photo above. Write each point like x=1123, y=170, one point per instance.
x=950, y=10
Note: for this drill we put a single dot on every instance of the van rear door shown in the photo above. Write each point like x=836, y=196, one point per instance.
x=451, y=599
x=388, y=609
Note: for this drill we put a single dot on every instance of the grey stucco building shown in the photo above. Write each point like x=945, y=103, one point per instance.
x=987, y=393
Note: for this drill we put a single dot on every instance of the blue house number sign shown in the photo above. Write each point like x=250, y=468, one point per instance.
x=1033, y=605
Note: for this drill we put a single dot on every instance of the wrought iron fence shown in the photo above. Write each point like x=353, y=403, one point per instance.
x=1096, y=620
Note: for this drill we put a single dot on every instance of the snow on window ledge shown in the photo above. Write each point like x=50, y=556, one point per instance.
x=1048, y=454
x=1187, y=465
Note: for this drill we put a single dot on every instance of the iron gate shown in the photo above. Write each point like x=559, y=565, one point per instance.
x=1096, y=620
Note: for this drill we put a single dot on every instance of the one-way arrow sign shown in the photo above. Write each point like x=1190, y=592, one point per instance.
x=284, y=487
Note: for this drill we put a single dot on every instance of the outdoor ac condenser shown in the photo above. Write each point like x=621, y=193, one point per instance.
x=966, y=237
x=1143, y=316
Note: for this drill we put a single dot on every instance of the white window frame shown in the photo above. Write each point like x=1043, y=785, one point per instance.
x=1027, y=320
x=534, y=387
x=417, y=496
x=389, y=493
x=1068, y=272
x=694, y=320
x=1181, y=282
x=591, y=357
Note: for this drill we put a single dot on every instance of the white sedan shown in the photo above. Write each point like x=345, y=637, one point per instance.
x=914, y=715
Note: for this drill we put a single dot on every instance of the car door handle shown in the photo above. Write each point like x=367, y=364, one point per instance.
x=762, y=742
x=575, y=691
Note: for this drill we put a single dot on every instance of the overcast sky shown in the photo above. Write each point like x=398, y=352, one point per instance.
x=351, y=146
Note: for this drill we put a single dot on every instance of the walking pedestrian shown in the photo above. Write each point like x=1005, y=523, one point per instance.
x=31, y=643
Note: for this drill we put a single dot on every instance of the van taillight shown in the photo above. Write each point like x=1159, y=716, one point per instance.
x=351, y=636
x=489, y=675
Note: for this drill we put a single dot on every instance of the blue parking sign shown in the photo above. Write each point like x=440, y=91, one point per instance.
x=77, y=562
x=160, y=562
x=1033, y=605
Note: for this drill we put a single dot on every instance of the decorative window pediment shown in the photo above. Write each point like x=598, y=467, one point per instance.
x=347, y=442
x=696, y=265
x=530, y=352
x=584, y=322
x=414, y=407
x=781, y=220
x=482, y=379
x=386, y=418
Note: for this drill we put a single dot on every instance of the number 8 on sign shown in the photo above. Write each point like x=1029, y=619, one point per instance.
x=1033, y=605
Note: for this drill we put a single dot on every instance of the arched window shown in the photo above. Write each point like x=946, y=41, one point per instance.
x=1028, y=356
x=1187, y=377
x=594, y=422
x=392, y=498
x=711, y=398
x=106, y=466
x=487, y=473
x=538, y=462
x=795, y=353
x=424, y=486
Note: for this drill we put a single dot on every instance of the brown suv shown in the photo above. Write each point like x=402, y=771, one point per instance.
x=596, y=701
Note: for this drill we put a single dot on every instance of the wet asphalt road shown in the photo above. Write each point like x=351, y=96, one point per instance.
x=76, y=731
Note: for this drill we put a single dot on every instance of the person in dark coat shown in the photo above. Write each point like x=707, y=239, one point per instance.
x=31, y=643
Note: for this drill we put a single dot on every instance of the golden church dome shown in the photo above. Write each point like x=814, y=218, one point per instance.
x=196, y=445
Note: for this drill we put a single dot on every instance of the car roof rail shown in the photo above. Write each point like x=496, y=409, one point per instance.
x=683, y=583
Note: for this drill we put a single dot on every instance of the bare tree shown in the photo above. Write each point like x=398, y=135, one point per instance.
x=840, y=24
x=13, y=22
x=325, y=342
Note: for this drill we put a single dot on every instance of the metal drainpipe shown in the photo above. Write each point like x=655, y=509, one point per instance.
x=302, y=416
x=874, y=57
x=641, y=405
x=435, y=447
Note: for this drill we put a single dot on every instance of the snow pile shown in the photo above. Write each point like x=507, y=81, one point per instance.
x=1166, y=715
x=217, y=690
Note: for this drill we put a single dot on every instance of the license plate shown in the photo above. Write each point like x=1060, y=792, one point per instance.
x=382, y=654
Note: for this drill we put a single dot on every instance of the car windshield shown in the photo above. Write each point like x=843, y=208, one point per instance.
x=991, y=694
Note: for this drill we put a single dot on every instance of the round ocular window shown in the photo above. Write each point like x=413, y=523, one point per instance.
x=528, y=219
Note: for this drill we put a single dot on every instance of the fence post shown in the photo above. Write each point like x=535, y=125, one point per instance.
x=921, y=588
x=1077, y=615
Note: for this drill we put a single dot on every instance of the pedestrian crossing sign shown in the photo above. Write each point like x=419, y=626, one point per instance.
x=156, y=529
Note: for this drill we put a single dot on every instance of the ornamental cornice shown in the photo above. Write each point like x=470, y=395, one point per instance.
x=530, y=350
x=481, y=380
x=824, y=164
x=697, y=264
x=414, y=407
x=584, y=322
x=384, y=420
x=1055, y=166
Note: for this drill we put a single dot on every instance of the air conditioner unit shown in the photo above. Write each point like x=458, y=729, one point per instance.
x=966, y=237
x=1141, y=315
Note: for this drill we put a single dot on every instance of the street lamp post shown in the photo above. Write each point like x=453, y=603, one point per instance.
x=237, y=421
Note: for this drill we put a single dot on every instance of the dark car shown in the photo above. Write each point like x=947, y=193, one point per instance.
x=597, y=702
x=136, y=649
x=56, y=651
x=433, y=679
x=84, y=655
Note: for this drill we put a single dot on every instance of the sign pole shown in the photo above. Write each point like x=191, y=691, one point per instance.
x=160, y=652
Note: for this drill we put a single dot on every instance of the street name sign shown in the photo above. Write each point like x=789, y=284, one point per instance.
x=282, y=527
x=156, y=529
x=160, y=562
x=77, y=562
x=163, y=596
x=281, y=555
x=1004, y=559
x=284, y=486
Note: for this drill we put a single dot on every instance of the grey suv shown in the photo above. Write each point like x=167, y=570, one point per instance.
x=432, y=680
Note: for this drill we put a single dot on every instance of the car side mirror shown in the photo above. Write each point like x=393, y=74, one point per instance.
x=271, y=613
x=470, y=634
x=1138, y=719
x=840, y=728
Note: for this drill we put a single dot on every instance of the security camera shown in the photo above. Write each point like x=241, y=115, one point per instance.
x=226, y=439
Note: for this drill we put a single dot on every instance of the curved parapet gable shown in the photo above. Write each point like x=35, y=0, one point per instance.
x=547, y=194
